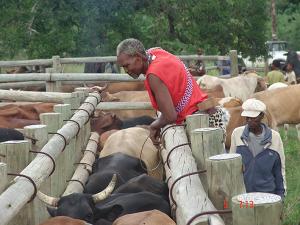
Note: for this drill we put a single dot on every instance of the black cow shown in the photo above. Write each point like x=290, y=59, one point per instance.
x=145, y=183
x=141, y=120
x=8, y=134
x=125, y=203
x=124, y=166
x=82, y=206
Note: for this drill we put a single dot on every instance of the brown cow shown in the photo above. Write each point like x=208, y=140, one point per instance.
x=18, y=116
x=135, y=142
x=153, y=217
x=282, y=107
x=64, y=220
x=105, y=122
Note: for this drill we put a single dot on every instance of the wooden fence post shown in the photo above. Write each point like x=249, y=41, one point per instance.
x=195, y=121
x=3, y=175
x=225, y=180
x=68, y=154
x=206, y=142
x=52, y=86
x=40, y=134
x=257, y=209
x=234, y=70
x=17, y=158
x=189, y=193
x=57, y=183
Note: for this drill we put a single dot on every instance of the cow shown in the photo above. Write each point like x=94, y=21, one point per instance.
x=277, y=85
x=124, y=166
x=94, y=208
x=125, y=203
x=8, y=134
x=77, y=205
x=242, y=86
x=144, y=182
x=64, y=220
x=105, y=121
x=153, y=217
x=282, y=108
x=135, y=121
x=135, y=142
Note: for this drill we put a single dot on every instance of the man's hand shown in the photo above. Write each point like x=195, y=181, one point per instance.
x=155, y=135
x=98, y=88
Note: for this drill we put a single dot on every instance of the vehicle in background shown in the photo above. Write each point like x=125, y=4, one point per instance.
x=276, y=50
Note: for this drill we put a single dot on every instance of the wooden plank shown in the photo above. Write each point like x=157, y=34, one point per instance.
x=189, y=193
x=33, y=62
x=15, y=197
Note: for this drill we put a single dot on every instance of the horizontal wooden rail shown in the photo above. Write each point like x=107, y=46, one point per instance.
x=124, y=105
x=34, y=96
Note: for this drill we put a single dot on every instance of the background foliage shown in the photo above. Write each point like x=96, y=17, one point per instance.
x=41, y=29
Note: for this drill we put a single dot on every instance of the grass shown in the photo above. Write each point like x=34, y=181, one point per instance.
x=291, y=215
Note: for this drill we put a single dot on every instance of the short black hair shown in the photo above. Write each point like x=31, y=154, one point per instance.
x=276, y=63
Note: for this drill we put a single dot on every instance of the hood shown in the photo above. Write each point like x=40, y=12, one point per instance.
x=266, y=140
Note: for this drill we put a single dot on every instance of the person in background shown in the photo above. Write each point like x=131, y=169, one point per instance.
x=275, y=75
x=197, y=68
x=171, y=87
x=290, y=76
x=262, y=151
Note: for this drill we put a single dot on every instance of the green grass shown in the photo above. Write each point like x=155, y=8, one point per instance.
x=292, y=163
x=73, y=68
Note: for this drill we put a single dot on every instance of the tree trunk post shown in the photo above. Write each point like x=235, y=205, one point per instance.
x=225, y=180
x=195, y=121
x=188, y=193
x=206, y=142
x=234, y=70
x=3, y=175
x=40, y=134
x=17, y=158
x=257, y=209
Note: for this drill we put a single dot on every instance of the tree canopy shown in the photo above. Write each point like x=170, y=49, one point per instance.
x=41, y=29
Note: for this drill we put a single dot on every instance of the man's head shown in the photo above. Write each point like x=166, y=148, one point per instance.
x=253, y=110
x=276, y=64
x=131, y=55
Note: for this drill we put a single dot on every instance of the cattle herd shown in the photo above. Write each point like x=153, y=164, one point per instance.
x=126, y=186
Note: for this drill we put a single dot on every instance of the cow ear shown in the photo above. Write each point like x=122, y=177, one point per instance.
x=52, y=211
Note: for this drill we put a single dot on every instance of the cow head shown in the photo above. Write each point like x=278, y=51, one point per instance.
x=77, y=205
x=104, y=122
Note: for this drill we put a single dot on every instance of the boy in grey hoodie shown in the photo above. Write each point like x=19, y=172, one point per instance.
x=262, y=151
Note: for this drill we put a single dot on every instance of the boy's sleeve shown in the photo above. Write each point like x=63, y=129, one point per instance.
x=278, y=178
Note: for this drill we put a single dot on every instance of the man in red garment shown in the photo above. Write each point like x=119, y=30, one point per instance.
x=171, y=87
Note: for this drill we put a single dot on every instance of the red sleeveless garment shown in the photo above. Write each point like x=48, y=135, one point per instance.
x=184, y=91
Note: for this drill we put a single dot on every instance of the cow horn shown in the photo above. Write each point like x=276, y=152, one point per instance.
x=51, y=201
x=107, y=191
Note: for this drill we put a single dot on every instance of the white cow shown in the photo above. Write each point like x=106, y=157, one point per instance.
x=242, y=86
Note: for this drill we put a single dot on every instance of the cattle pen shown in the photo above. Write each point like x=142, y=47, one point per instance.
x=194, y=159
